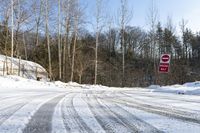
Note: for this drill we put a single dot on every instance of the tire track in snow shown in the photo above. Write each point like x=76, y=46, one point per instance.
x=42, y=119
x=5, y=98
x=179, y=110
x=18, y=121
x=13, y=105
x=163, y=123
x=9, y=111
x=130, y=119
x=172, y=113
x=106, y=118
x=16, y=99
x=151, y=95
x=73, y=122
x=11, y=101
x=190, y=108
x=57, y=120
x=86, y=114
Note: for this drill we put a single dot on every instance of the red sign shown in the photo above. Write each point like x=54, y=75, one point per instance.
x=164, y=63
x=164, y=68
x=165, y=58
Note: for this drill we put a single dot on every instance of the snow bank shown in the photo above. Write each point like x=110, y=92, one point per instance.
x=193, y=84
x=16, y=83
x=28, y=69
x=191, y=88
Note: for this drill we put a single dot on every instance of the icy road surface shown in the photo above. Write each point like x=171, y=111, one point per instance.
x=96, y=110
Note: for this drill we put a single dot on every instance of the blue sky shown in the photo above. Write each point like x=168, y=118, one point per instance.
x=176, y=9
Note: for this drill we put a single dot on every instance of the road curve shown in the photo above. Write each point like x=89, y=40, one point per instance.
x=90, y=111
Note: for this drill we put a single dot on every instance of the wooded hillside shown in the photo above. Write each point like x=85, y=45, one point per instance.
x=56, y=34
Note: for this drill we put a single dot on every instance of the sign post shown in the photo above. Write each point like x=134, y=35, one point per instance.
x=164, y=63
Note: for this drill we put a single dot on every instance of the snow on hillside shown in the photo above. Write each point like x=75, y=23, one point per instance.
x=28, y=69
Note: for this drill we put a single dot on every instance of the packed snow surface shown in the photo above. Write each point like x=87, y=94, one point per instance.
x=31, y=106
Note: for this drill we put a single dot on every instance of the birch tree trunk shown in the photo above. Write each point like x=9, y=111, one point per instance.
x=38, y=21
x=98, y=2
x=6, y=38
x=12, y=35
x=74, y=46
x=153, y=14
x=59, y=44
x=110, y=41
x=48, y=41
x=25, y=48
x=66, y=50
x=123, y=13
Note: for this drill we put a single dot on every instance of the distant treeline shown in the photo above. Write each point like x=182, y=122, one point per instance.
x=141, y=48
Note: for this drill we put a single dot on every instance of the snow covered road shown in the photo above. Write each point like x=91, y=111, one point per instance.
x=97, y=110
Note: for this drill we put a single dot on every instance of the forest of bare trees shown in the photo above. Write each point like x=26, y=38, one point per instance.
x=55, y=34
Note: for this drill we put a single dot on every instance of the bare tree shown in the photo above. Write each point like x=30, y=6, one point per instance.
x=110, y=42
x=5, y=13
x=22, y=16
x=170, y=25
x=98, y=4
x=67, y=6
x=25, y=48
x=153, y=16
x=59, y=44
x=183, y=25
x=123, y=21
x=12, y=34
x=37, y=11
x=82, y=64
x=47, y=38
x=74, y=44
x=171, y=32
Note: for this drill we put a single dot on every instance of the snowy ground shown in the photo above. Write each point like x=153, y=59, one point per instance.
x=29, y=106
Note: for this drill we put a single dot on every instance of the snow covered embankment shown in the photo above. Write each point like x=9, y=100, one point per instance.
x=192, y=88
x=26, y=69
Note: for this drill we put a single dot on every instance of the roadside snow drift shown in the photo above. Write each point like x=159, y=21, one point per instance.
x=26, y=69
x=192, y=88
